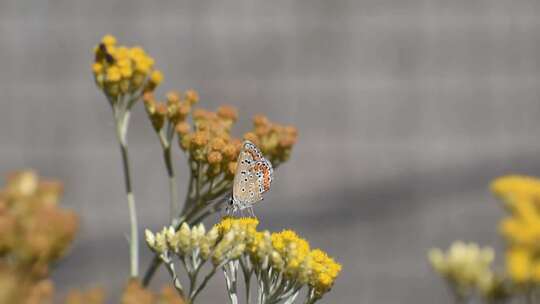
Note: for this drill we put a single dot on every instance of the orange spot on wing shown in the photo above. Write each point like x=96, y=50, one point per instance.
x=254, y=155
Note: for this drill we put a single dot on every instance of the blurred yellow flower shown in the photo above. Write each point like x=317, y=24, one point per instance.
x=519, y=264
x=512, y=187
x=521, y=229
x=466, y=266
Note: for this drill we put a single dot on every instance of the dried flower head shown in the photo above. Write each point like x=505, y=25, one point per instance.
x=274, y=140
x=34, y=231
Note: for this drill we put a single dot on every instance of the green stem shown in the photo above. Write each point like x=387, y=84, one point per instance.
x=176, y=281
x=122, y=121
x=198, y=182
x=188, y=200
x=247, y=278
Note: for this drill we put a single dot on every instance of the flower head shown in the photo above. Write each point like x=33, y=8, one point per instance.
x=274, y=140
x=283, y=254
x=121, y=71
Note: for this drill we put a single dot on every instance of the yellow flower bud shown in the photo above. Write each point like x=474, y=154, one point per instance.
x=150, y=239
x=97, y=68
x=518, y=265
x=113, y=74
x=156, y=77
x=108, y=40
x=126, y=72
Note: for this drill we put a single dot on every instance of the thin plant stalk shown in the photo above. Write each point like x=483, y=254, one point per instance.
x=173, y=192
x=122, y=122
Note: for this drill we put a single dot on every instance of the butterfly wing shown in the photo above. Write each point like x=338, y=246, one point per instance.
x=252, y=150
x=253, y=176
x=244, y=177
x=265, y=174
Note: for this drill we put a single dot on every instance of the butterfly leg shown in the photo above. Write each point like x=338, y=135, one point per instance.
x=252, y=212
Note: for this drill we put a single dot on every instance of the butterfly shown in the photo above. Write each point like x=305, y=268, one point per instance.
x=252, y=178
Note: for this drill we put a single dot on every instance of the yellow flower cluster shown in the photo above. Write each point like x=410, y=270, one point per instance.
x=521, y=229
x=247, y=224
x=284, y=253
x=514, y=187
x=274, y=140
x=466, y=266
x=120, y=70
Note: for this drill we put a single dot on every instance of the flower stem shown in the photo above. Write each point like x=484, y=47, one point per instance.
x=122, y=121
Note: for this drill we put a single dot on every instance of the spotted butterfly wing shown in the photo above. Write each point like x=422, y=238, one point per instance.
x=264, y=171
x=252, y=178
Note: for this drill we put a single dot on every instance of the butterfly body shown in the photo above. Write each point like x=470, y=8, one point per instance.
x=252, y=179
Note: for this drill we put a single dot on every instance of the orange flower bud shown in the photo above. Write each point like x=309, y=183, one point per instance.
x=183, y=128
x=231, y=168
x=185, y=141
x=199, y=139
x=252, y=137
x=214, y=158
x=200, y=114
x=173, y=97
x=217, y=144
x=192, y=96
x=260, y=120
x=227, y=112
x=183, y=110
x=230, y=151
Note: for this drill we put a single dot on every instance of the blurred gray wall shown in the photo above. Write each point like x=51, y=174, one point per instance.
x=406, y=111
